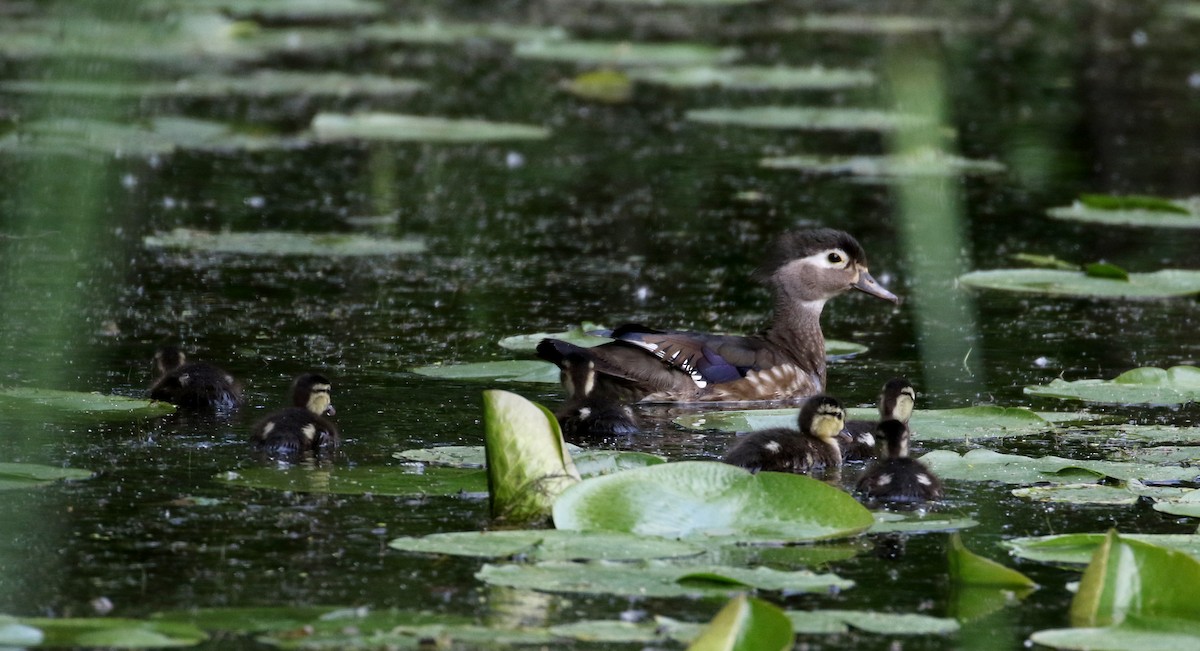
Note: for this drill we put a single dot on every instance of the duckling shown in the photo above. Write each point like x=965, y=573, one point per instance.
x=895, y=477
x=787, y=450
x=803, y=269
x=896, y=402
x=197, y=386
x=302, y=427
x=585, y=415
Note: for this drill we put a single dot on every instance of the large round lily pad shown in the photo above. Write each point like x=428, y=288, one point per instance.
x=697, y=498
x=982, y=422
x=419, y=128
x=1165, y=283
x=1146, y=385
x=97, y=405
x=811, y=118
x=276, y=243
x=547, y=545
x=986, y=465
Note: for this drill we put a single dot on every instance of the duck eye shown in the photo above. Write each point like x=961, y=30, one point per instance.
x=834, y=258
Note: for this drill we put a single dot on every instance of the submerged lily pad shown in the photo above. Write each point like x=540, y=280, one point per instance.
x=260, y=83
x=113, y=633
x=361, y=480
x=986, y=465
x=1078, y=548
x=30, y=475
x=982, y=422
x=924, y=163
x=1132, y=211
x=1146, y=385
x=755, y=77
x=276, y=243
x=1079, y=494
x=419, y=128
x=653, y=578
x=1165, y=283
x=547, y=545
x=746, y=624
x=40, y=401
x=436, y=32
x=698, y=498
x=511, y=370
x=812, y=118
x=626, y=53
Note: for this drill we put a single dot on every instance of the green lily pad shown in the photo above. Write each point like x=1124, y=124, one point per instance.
x=260, y=83
x=697, y=498
x=436, y=32
x=625, y=53
x=276, y=10
x=756, y=77
x=1044, y=261
x=577, y=335
x=863, y=23
x=986, y=465
x=969, y=568
x=547, y=545
x=595, y=463
x=608, y=86
x=1127, y=636
x=1079, y=494
x=1187, y=505
x=246, y=620
x=653, y=578
x=811, y=118
x=156, y=137
x=927, y=162
x=1078, y=548
x=29, y=475
x=276, y=243
x=839, y=621
x=418, y=128
x=92, y=405
x=362, y=480
x=528, y=465
x=1165, y=283
x=746, y=624
x=982, y=422
x=1142, y=433
x=917, y=522
x=1128, y=577
x=616, y=632
x=452, y=456
x=113, y=632
x=1132, y=211
x=1146, y=385
x=405, y=630
x=509, y=370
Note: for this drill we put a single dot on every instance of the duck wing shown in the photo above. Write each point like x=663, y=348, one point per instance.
x=707, y=359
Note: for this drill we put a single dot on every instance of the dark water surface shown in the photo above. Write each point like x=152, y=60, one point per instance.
x=626, y=213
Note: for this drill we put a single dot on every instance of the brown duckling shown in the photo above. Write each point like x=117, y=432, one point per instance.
x=785, y=362
x=302, y=427
x=895, y=477
x=896, y=402
x=787, y=450
x=197, y=386
x=586, y=415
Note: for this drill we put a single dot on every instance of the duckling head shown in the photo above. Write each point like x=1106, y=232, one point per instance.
x=897, y=400
x=823, y=417
x=895, y=436
x=811, y=267
x=168, y=358
x=578, y=375
x=311, y=391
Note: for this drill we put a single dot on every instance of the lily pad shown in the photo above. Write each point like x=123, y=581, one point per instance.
x=926, y=162
x=839, y=621
x=811, y=118
x=1187, y=505
x=363, y=480
x=276, y=10
x=746, y=624
x=756, y=77
x=1142, y=433
x=1128, y=636
x=1146, y=385
x=547, y=545
x=982, y=422
x=1128, y=577
x=969, y=568
x=917, y=522
x=697, y=498
x=30, y=475
x=986, y=465
x=108, y=407
x=865, y=23
x=653, y=579
x=626, y=53
x=113, y=632
x=528, y=465
x=578, y=335
x=418, y=128
x=260, y=83
x=246, y=620
x=1078, y=548
x=1132, y=211
x=158, y=136
x=595, y=463
x=276, y=243
x=509, y=370
x=1165, y=283
x=608, y=86
x=452, y=456
x=436, y=32
x=1079, y=494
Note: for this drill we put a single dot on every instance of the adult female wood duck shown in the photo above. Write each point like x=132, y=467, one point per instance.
x=302, y=427
x=196, y=386
x=895, y=477
x=896, y=402
x=815, y=446
x=785, y=362
x=586, y=415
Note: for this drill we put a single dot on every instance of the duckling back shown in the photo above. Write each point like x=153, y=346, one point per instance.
x=896, y=478
x=812, y=447
x=586, y=414
x=302, y=428
x=196, y=386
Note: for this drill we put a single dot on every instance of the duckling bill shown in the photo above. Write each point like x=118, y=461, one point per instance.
x=896, y=402
x=786, y=362
x=896, y=478
x=303, y=427
x=196, y=386
x=813, y=447
x=586, y=415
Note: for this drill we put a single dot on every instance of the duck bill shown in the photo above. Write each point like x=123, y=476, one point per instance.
x=330, y=411
x=866, y=284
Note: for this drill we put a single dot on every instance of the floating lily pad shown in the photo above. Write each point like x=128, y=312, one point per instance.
x=1132, y=211
x=453, y=456
x=969, y=568
x=113, y=632
x=418, y=128
x=986, y=465
x=839, y=621
x=1165, y=283
x=811, y=118
x=872, y=23
x=924, y=163
x=547, y=545
x=595, y=463
x=276, y=10
x=577, y=335
x=653, y=579
x=625, y=53
x=528, y=465
x=608, y=86
x=697, y=498
x=1141, y=433
x=1187, y=505
x=746, y=624
x=436, y=32
x=917, y=522
x=1078, y=548
x=1079, y=494
x=982, y=422
x=158, y=136
x=370, y=630
x=246, y=620
x=260, y=83
x=511, y=370
x=276, y=243
x=1146, y=385
x=30, y=475
x=41, y=401
x=361, y=480
x=1128, y=636
x=756, y=77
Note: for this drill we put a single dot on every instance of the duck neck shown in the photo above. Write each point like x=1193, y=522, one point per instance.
x=796, y=330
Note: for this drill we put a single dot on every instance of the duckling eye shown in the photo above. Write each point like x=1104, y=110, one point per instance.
x=835, y=258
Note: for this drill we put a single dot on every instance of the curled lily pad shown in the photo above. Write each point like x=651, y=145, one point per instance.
x=418, y=128
x=1078, y=548
x=926, y=162
x=697, y=498
x=755, y=77
x=260, y=83
x=746, y=624
x=437, y=32
x=653, y=578
x=361, y=480
x=1165, y=283
x=1079, y=494
x=986, y=465
x=92, y=405
x=817, y=119
x=528, y=465
x=547, y=545
x=1128, y=577
x=1131, y=211
x=1146, y=385
x=980, y=422
x=29, y=475
x=969, y=568
x=277, y=243
x=625, y=53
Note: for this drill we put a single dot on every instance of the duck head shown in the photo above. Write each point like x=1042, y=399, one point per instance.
x=311, y=391
x=813, y=266
x=897, y=400
x=168, y=358
x=823, y=417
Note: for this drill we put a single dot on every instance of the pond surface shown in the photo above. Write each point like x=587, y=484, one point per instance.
x=627, y=212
